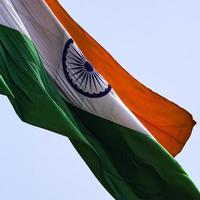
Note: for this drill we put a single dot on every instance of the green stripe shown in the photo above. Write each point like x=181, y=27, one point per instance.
x=4, y=88
x=130, y=165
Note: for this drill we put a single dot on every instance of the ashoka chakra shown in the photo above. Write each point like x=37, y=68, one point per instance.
x=81, y=74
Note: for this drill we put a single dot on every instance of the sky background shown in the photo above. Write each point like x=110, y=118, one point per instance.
x=158, y=43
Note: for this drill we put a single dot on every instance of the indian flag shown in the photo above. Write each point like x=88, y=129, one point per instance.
x=59, y=78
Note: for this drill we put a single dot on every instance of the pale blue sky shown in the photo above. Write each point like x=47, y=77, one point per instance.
x=156, y=41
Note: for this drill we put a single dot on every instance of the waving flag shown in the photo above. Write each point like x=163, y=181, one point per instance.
x=57, y=77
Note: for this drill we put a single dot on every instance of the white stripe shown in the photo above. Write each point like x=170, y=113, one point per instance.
x=50, y=37
x=10, y=18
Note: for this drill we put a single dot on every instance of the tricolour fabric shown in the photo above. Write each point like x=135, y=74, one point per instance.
x=167, y=122
x=52, y=84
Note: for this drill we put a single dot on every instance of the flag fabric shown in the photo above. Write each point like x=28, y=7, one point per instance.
x=168, y=123
x=58, y=78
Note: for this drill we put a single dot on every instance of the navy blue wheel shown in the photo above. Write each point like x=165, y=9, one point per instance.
x=81, y=74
